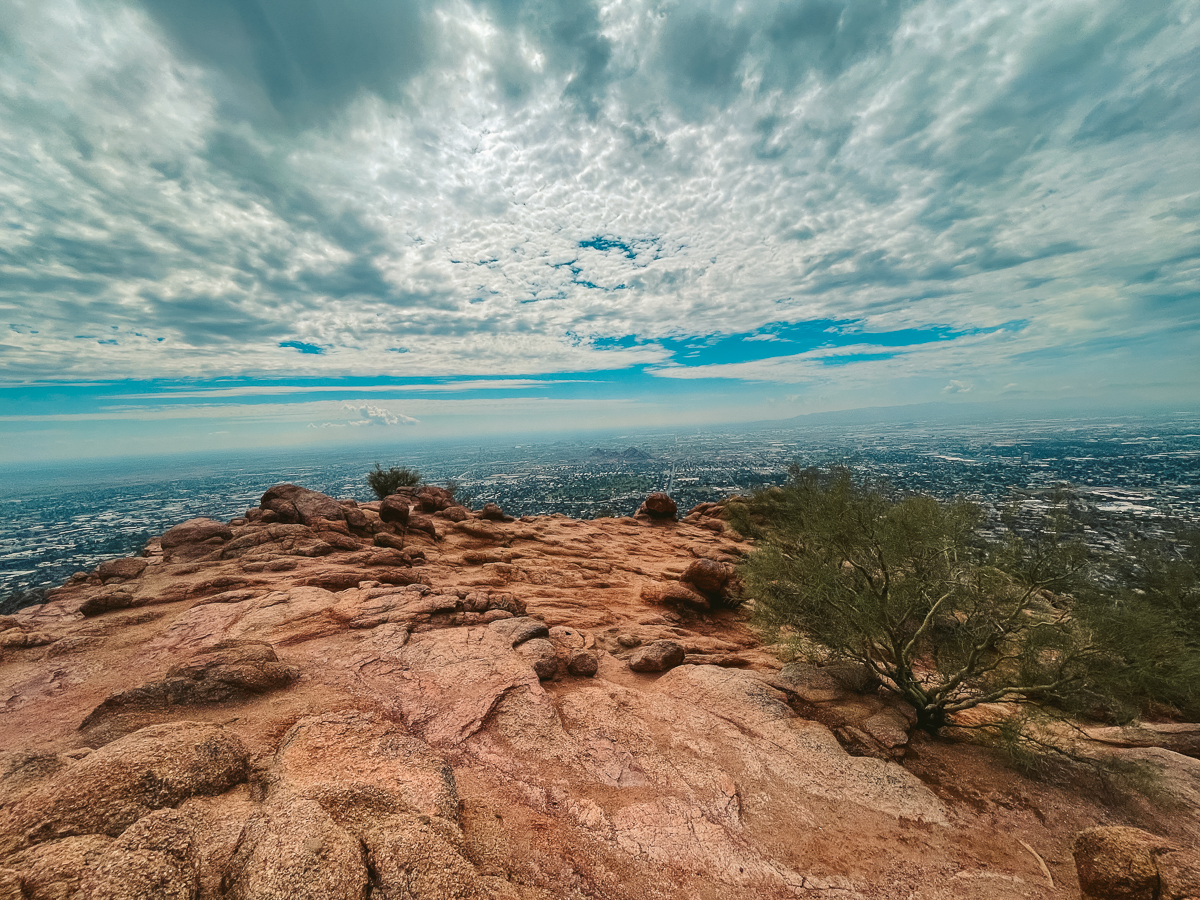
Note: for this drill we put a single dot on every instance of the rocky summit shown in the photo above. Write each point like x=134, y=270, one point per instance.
x=409, y=699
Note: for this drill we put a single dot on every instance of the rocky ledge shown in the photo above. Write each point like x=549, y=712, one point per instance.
x=411, y=699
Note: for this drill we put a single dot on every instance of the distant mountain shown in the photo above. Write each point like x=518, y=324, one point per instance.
x=630, y=453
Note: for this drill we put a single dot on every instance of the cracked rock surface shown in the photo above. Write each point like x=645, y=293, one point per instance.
x=406, y=699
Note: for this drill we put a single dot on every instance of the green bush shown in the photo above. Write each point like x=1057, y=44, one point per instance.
x=385, y=482
x=1148, y=611
x=907, y=586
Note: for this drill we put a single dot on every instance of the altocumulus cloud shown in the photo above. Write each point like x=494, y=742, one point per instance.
x=518, y=187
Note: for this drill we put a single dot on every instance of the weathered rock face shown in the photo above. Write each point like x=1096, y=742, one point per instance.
x=231, y=670
x=1117, y=862
x=111, y=788
x=443, y=703
x=292, y=503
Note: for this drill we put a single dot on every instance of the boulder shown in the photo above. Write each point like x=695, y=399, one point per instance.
x=293, y=503
x=395, y=509
x=430, y=498
x=392, y=541
x=10, y=885
x=379, y=785
x=659, y=506
x=709, y=577
x=582, y=663
x=851, y=675
x=456, y=513
x=1176, y=737
x=114, y=786
x=540, y=654
x=1115, y=862
x=810, y=683
x=1179, y=874
x=423, y=524
x=293, y=850
x=356, y=519
x=111, y=599
x=57, y=868
x=419, y=857
x=15, y=637
x=657, y=656
x=193, y=538
x=494, y=513
x=336, y=756
x=888, y=728
x=121, y=568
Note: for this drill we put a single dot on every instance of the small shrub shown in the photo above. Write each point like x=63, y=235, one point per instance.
x=385, y=482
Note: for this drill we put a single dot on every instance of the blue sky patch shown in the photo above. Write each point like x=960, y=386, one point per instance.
x=303, y=347
x=780, y=339
x=604, y=244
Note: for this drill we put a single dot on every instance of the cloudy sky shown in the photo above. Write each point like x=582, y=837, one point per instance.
x=254, y=222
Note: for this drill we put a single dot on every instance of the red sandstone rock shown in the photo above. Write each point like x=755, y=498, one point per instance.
x=395, y=509
x=297, y=504
x=430, y=498
x=1117, y=863
x=708, y=576
x=195, y=531
x=114, y=786
x=705, y=780
x=659, y=506
x=494, y=513
x=656, y=657
x=121, y=568
x=456, y=513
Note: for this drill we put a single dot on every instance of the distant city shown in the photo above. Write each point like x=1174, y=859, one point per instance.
x=1130, y=476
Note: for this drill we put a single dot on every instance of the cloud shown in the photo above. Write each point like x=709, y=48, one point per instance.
x=957, y=387
x=299, y=62
x=369, y=415
x=516, y=187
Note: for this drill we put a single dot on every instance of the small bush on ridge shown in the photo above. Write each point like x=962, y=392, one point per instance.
x=385, y=482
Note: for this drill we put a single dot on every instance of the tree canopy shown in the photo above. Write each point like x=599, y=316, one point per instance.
x=910, y=588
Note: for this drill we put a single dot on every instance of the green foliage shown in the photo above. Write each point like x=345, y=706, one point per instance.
x=385, y=482
x=1150, y=616
x=906, y=586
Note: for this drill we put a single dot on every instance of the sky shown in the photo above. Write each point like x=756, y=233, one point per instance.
x=263, y=223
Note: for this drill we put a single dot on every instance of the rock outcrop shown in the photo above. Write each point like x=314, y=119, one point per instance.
x=1123, y=863
x=407, y=699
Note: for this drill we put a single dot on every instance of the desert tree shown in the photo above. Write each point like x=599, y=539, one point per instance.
x=905, y=586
